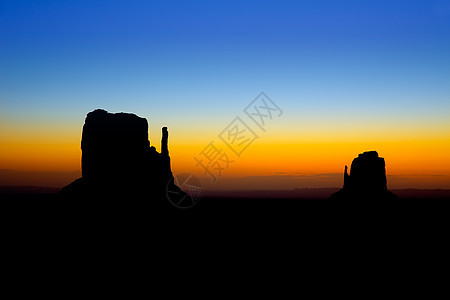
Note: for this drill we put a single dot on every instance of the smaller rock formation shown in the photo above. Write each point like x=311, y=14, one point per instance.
x=367, y=179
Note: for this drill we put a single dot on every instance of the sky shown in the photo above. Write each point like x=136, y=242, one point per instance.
x=348, y=77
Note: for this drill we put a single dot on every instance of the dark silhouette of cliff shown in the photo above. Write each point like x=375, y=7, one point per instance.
x=119, y=163
x=367, y=179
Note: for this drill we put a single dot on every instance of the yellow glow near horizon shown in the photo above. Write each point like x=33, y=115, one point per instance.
x=57, y=148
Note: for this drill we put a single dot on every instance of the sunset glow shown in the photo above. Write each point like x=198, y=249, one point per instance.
x=349, y=77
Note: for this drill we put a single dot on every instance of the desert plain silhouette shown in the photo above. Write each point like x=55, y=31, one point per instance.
x=119, y=165
x=125, y=181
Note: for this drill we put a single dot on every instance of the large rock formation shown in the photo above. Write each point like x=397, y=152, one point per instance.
x=367, y=179
x=117, y=160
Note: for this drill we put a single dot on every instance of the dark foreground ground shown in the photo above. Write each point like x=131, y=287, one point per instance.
x=314, y=237
x=309, y=208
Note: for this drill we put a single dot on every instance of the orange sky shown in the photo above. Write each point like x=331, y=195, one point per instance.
x=414, y=159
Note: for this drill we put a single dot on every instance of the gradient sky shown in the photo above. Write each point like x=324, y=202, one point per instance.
x=350, y=76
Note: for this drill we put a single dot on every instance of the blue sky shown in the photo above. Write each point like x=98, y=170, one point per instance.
x=207, y=59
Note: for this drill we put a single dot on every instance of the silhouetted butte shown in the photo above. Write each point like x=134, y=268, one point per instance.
x=118, y=161
x=367, y=179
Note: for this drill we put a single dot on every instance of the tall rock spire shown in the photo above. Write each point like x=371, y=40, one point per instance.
x=164, y=140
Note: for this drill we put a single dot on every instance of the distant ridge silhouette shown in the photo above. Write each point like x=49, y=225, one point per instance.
x=118, y=161
x=367, y=179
